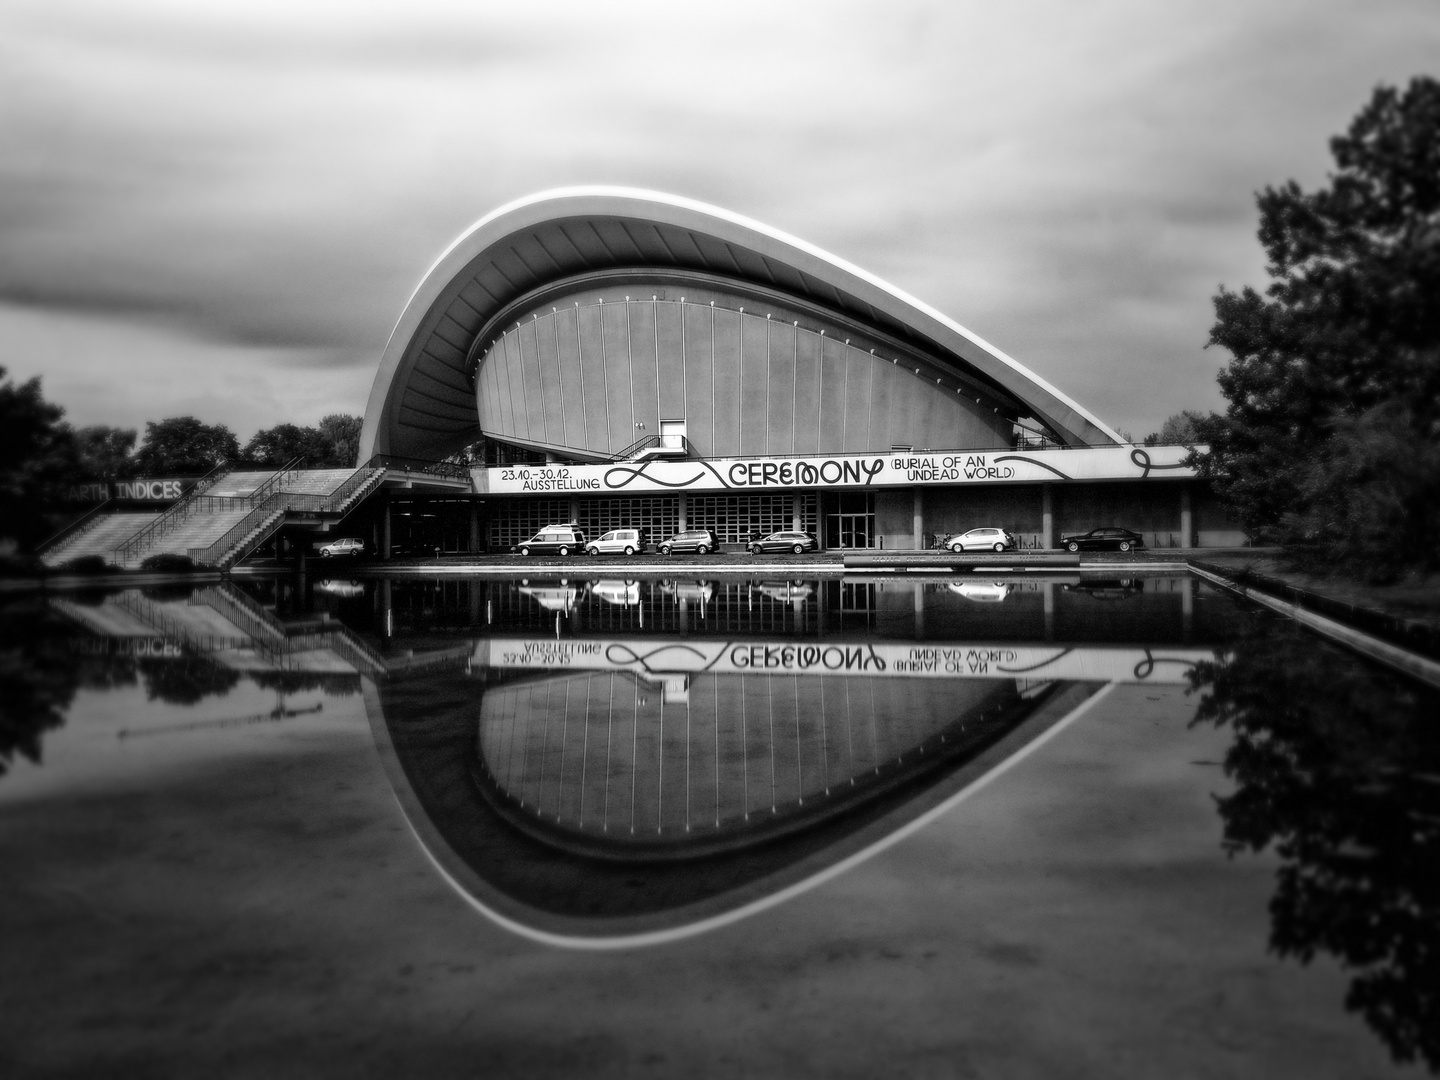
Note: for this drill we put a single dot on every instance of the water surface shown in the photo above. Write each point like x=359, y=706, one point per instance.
x=944, y=826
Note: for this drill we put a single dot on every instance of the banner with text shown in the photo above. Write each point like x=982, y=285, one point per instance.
x=657, y=659
x=841, y=471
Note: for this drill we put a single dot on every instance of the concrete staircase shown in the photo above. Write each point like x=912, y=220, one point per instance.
x=99, y=536
x=251, y=504
x=201, y=529
x=332, y=492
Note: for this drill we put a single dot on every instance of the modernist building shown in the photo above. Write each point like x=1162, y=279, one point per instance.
x=638, y=359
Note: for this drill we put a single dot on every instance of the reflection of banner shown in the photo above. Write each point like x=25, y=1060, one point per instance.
x=646, y=656
x=851, y=470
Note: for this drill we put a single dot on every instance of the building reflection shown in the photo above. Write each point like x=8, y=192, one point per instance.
x=618, y=765
x=607, y=760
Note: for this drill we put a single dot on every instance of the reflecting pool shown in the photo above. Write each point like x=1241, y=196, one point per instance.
x=549, y=825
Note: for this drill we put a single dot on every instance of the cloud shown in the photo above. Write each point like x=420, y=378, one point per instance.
x=1071, y=182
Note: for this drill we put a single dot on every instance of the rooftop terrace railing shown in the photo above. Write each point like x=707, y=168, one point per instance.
x=448, y=470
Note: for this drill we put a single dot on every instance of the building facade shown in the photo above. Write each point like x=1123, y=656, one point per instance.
x=634, y=359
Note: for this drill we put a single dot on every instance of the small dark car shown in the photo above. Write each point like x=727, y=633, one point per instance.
x=1106, y=539
x=797, y=542
x=700, y=541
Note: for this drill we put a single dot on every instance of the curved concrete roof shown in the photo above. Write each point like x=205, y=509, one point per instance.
x=422, y=403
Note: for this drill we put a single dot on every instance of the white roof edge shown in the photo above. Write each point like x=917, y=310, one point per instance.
x=684, y=203
x=430, y=286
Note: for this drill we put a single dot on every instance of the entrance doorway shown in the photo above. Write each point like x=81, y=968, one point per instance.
x=850, y=520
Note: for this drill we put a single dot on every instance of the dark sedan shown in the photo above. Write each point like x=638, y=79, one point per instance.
x=1107, y=539
x=797, y=542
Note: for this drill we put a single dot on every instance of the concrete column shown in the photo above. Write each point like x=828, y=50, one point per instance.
x=684, y=620
x=385, y=532
x=919, y=513
x=1187, y=523
x=302, y=551
x=1187, y=607
x=1048, y=588
x=575, y=509
x=474, y=528
x=387, y=611
x=1047, y=515
x=474, y=586
x=919, y=587
x=684, y=514
x=795, y=511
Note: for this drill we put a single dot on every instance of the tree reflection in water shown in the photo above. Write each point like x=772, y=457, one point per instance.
x=186, y=680
x=1337, y=765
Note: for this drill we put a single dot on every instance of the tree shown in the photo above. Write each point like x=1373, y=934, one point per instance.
x=1342, y=354
x=283, y=443
x=37, y=456
x=105, y=452
x=183, y=445
x=1179, y=429
x=332, y=445
x=342, y=435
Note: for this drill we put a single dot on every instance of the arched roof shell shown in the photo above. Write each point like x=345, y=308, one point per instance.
x=422, y=403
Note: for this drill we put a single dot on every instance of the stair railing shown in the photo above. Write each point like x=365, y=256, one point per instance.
x=73, y=529
x=172, y=517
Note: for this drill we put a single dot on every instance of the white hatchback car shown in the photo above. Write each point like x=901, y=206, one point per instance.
x=980, y=540
x=616, y=542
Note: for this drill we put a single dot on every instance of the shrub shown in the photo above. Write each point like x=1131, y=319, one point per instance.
x=167, y=562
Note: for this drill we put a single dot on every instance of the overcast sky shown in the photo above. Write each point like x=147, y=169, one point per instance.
x=221, y=208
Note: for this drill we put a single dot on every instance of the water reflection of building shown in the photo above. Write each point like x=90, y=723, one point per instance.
x=612, y=763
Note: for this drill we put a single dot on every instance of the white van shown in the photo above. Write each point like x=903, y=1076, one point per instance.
x=617, y=542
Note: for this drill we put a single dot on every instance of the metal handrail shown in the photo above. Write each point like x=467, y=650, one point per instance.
x=183, y=510
x=449, y=469
x=272, y=484
x=66, y=531
x=272, y=638
x=150, y=612
x=635, y=447
x=362, y=477
x=258, y=518
x=177, y=513
x=279, y=503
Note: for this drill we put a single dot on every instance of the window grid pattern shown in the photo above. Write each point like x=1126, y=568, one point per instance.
x=658, y=516
x=735, y=517
x=511, y=522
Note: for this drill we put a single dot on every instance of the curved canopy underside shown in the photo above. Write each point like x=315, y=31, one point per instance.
x=422, y=403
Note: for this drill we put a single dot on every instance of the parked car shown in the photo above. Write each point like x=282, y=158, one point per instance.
x=616, y=542
x=1111, y=589
x=982, y=592
x=788, y=591
x=698, y=591
x=1106, y=539
x=620, y=593
x=700, y=541
x=797, y=542
x=980, y=540
x=341, y=588
x=348, y=545
x=553, y=540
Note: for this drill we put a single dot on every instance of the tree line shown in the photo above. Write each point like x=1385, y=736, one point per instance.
x=41, y=454
x=184, y=446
